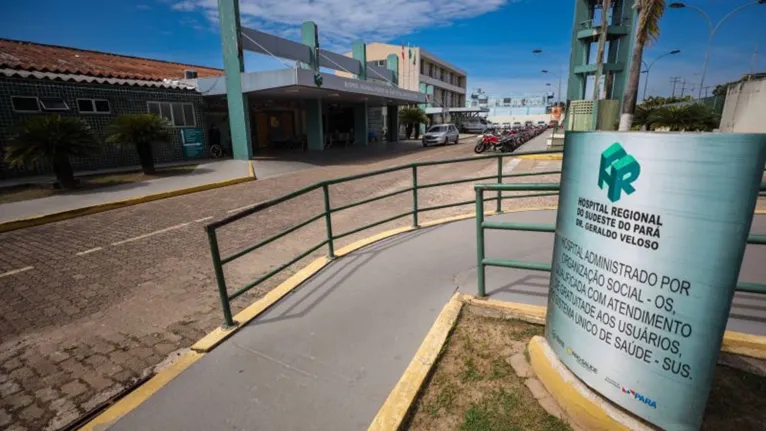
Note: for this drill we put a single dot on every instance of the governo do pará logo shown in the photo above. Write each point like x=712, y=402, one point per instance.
x=617, y=171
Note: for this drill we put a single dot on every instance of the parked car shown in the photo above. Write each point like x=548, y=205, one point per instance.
x=528, y=124
x=541, y=124
x=516, y=125
x=441, y=134
x=473, y=125
x=552, y=124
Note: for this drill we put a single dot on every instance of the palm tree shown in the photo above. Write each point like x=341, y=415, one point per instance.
x=412, y=117
x=140, y=131
x=647, y=30
x=692, y=117
x=52, y=140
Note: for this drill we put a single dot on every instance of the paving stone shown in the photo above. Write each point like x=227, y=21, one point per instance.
x=59, y=356
x=32, y=413
x=74, y=388
x=96, y=382
x=42, y=366
x=108, y=369
x=520, y=365
x=96, y=360
x=5, y=418
x=18, y=400
x=142, y=352
x=165, y=348
x=11, y=364
x=537, y=388
x=102, y=347
x=551, y=406
x=8, y=388
x=46, y=394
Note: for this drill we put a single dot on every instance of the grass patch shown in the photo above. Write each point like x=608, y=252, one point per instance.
x=474, y=388
x=24, y=192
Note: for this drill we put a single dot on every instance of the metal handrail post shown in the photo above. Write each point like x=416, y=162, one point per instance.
x=415, y=196
x=480, y=242
x=228, y=320
x=499, y=207
x=328, y=221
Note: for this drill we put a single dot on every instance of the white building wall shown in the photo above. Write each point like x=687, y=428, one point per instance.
x=743, y=111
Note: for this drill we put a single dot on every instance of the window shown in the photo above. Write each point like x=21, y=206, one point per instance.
x=53, y=104
x=93, y=106
x=179, y=114
x=25, y=104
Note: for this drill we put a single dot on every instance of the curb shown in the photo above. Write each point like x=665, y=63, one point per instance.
x=93, y=209
x=146, y=390
x=391, y=415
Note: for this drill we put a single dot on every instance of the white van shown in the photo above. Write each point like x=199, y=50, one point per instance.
x=473, y=125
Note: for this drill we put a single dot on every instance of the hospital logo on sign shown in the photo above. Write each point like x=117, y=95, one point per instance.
x=617, y=171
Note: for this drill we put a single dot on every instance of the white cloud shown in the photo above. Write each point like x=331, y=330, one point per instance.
x=342, y=21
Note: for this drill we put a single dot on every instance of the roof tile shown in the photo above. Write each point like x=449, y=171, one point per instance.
x=32, y=56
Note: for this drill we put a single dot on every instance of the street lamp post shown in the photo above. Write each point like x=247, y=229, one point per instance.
x=713, y=28
x=649, y=68
x=558, y=94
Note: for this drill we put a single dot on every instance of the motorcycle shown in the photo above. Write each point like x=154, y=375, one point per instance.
x=504, y=144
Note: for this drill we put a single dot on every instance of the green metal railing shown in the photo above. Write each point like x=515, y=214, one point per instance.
x=219, y=261
x=481, y=225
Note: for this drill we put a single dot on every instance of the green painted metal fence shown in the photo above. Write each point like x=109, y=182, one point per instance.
x=482, y=224
x=219, y=261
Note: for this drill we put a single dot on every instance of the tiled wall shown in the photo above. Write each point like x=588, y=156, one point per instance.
x=122, y=99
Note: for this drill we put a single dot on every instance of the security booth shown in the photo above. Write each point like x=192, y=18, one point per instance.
x=303, y=106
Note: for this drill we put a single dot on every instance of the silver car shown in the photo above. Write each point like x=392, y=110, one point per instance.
x=441, y=134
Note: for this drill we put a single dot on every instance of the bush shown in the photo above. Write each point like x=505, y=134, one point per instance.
x=141, y=132
x=692, y=117
x=52, y=140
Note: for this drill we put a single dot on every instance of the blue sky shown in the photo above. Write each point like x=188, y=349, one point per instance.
x=491, y=39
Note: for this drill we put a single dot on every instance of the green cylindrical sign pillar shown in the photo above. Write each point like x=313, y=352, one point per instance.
x=650, y=235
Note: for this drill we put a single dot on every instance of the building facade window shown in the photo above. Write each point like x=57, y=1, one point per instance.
x=25, y=104
x=53, y=104
x=93, y=106
x=179, y=114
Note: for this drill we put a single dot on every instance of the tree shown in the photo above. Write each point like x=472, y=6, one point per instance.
x=647, y=30
x=52, y=140
x=411, y=117
x=140, y=131
x=692, y=117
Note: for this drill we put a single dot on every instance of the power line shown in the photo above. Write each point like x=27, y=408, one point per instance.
x=674, y=80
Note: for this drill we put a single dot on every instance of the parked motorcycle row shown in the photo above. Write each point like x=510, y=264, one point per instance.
x=506, y=140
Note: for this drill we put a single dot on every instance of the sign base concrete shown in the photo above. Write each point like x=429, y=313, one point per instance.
x=582, y=405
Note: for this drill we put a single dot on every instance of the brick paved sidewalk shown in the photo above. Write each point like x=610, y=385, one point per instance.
x=111, y=296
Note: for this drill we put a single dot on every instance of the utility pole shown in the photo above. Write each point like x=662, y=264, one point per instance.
x=674, y=80
x=683, y=87
x=605, y=7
